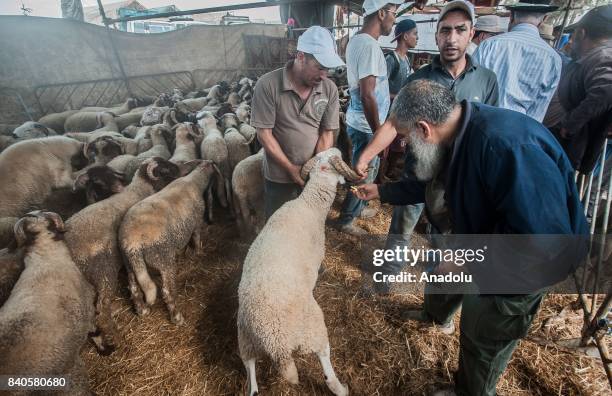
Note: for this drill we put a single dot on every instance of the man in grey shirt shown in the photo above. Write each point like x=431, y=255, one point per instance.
x=398, y=65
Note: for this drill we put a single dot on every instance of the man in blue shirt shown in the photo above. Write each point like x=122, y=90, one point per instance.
x=481, y=170
x=527, y=68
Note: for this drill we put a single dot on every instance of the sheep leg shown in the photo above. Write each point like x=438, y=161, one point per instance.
x=104, y=323
x=196, y=238
x=209, y=205
x=331, y=379
x=288, y=370
x=228, y=194
x=137, y=295
x=168, y=280
x=250, y=369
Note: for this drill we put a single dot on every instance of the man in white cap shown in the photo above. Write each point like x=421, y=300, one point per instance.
x=485, y=27
x=370, y=98
x=295, y=110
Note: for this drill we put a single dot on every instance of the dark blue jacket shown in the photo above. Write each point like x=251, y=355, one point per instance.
x=507, y=175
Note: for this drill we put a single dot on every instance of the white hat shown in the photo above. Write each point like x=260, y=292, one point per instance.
x=489, y=23
x=371, y=6
x=319, y=42
x=458, y=5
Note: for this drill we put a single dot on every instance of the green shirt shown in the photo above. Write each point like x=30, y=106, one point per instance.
x=475, y=84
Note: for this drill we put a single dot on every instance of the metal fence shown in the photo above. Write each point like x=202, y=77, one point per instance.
x=595, y=290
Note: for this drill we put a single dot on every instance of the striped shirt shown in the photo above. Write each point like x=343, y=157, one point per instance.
x=527, y=69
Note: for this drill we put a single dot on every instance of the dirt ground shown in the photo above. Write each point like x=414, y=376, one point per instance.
x=374, y=351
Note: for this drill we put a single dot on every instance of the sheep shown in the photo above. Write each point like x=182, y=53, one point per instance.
x=214, y=148
x=32, y=130
x=206, y=120
x=99, y=182
x=234, y=99
x=194, y=104
x=129, y=164
x=6, y=141
x=6, y=230
x=237, y=146
x=56, y=121
x=243, y=112
x=153, y=115
x=277, y=313
x=32, y=169
x=83, y=121
x=248, y=132
x=187, y=136
x=228, y=120
x=117, y=110
x=156, y=228
x=131, y=118
x=11, y=266
x=91, y=236
x=45, y=321
x=248, y=194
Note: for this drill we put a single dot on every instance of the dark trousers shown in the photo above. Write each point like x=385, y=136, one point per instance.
x=276, y=194
x=491, y=327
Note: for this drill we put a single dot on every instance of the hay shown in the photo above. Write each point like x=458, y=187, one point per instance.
x=373, y=350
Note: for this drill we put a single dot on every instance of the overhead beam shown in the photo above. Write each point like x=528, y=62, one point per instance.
x=233, y=7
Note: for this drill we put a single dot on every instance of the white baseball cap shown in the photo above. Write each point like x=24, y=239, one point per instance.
x=371, y=6
x=319, y=42
x=458, y=5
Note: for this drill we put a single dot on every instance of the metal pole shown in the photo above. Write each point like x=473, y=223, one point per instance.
x=107, y=22
x=564, y=25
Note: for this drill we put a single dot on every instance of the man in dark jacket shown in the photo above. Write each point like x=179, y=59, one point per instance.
x=585, y=90
x=483, y=170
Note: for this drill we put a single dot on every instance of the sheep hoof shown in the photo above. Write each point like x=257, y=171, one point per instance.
x=178, y=319
x=340, y=389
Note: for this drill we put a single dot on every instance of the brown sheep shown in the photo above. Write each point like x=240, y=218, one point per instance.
x=92, y=238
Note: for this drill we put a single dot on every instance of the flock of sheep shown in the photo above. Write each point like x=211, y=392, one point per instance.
x=134, y=184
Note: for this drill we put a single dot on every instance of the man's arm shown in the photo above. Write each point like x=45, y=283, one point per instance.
x=325, y=141
x=383, y=137
x=273, y=150
x=597, y=102
x=492, y=98
x=329, y=123
x=402, y=192
x=367, y=86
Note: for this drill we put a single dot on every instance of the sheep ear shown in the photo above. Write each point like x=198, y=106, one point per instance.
x=80, y=182
x=187, y=167
x=56, y=221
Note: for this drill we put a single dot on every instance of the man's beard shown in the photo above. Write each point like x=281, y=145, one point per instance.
x=429, y=157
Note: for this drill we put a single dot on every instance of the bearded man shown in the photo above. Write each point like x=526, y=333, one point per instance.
x=480, y=170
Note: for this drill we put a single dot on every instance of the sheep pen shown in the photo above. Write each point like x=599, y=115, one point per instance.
x=373, y=350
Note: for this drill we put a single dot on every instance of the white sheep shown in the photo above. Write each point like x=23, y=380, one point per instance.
x=155, y=229
x=46, y=320
x=277, y=313
x=188, y=138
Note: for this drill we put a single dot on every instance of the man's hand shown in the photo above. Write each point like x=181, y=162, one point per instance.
x=366, y=192
x=295, y=171
x=362, y=167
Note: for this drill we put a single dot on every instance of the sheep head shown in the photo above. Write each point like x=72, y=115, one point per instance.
x=159, y=172
x=332, y=157
x=99, y=182
x=102, y=150
x=35, y=223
